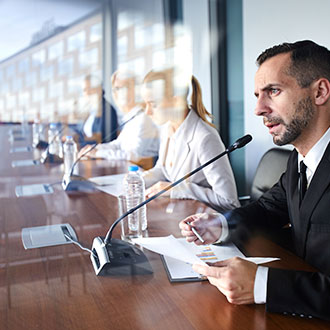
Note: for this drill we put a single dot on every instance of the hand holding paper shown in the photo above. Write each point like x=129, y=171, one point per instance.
x=179, y=255
x=233, y=277
x=169, y=246
x=190, y=253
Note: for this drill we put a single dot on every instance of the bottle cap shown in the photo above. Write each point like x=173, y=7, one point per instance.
x=133, y=168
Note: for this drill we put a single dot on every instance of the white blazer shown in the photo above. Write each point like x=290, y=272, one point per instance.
x=193, y=144
x=138, y=138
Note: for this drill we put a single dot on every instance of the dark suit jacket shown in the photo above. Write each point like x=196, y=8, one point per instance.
x=295, y=292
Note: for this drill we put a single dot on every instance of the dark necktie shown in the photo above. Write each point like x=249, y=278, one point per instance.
x=302, y=181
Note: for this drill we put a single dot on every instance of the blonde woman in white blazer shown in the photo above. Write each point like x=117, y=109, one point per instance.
x=188, y=139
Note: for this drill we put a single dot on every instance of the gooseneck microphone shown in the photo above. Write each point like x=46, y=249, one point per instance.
x=46, y=156
x=74, y=182
x=240, y=143
x=41, y=143
x=113, y=256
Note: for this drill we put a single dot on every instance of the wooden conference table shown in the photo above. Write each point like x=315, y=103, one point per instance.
x=56, y=287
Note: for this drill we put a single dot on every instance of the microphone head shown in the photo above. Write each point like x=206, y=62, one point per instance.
x=241, y=142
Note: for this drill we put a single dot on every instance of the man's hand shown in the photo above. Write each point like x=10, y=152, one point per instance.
x=207, y=225
x=233, y=277
x=157, y=187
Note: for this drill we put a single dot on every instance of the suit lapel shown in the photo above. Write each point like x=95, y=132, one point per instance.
x=293, y=201
x=318, y=185
x=183, y=139
x=179, y=159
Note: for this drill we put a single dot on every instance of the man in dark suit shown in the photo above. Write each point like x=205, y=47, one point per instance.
x=292, y=86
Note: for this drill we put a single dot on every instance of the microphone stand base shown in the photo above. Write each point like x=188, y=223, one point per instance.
x=118, y=258
x=41, y=145
x=51, y=159
x=77, y=183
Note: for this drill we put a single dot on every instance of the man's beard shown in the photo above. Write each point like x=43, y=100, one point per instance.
x=302, y=116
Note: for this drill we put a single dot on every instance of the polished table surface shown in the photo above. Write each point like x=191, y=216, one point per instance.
x=56, y=287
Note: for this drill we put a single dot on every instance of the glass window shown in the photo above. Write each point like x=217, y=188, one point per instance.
x=141, y=37
x=55, y=90
x=24, y=99
x=56, y=50
x=137, y=66
x=65, y=67
x=10, y=71
x=76, y=41
x=17, y=84
x=47, y=73
x=23, y=65
x=128, y=18
x=38, y=94
x=31, y=79
x=32, y=113
x=66, y=106
x=159, y=58
x=158, y=34
x=95, y=32
x=11, y=101
x=124, y=20
x=39, y=57
x=48, y=111
x=43, y=57
x=122, y=44
x=4, y=88
x=75, y=85
x=15, y=117
x=89, y=58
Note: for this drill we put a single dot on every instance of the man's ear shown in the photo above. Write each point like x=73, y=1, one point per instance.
x=322, y=91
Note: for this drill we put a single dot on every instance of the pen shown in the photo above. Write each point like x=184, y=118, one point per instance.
x=195, y=232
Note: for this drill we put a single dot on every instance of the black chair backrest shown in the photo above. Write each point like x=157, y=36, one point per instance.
x=271, y=166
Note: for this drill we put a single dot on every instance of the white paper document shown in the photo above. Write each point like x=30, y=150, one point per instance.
x=179, y=255
x=25, y=162
x=180, y=249
x=110, y=184
x=169, y=246
x=41, y=236
x=20, y=149
x=33, y=189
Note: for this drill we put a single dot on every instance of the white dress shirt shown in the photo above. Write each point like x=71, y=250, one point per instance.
x=139, y=138
x=311, y=160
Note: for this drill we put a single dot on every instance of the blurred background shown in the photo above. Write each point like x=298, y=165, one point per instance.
x=57, y=58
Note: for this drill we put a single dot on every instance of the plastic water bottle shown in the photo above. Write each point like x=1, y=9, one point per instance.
x=54, y=141
x=135, y=194
x=25, y=123
x=70, y=154
x=35, y=133
x=42, y=132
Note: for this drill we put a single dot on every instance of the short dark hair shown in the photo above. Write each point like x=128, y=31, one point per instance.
x=309, y=61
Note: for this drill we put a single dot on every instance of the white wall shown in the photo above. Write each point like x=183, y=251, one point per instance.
x=267, y=23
